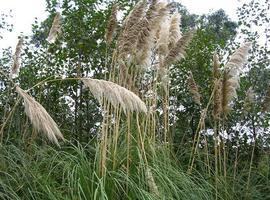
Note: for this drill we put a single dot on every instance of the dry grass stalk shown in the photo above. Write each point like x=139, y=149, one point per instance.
x=39, y=117
x=230, y=82
x=193, y=89
x=55, y=29
x=151, y=181
x=175, y=33
x=115, y=94
x=178, y=52
x=112, y=24
x=16, y=58
x=266, y=102
x=216, y=66
x=217, y=99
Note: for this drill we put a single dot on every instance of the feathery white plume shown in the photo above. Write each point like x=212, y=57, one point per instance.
x=175, y=33
x=230, y=82
x=163, y=39
x=39, y=117
x=55, y=29
x=16, y=58
x=115, y=94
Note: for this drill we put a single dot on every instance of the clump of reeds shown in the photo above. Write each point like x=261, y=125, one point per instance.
x=112, y=24
x=230, y=81
x=193, y=89
x=115, y=94
x=55, y=28
x=16, y=58
x=39, y=117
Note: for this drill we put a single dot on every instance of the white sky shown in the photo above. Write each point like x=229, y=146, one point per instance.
x=25, y=11
x=206, y=6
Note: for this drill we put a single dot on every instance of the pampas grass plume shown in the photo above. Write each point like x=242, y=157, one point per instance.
x=55, y=28
x=16, y=58
x=175, y=33
x=178, y=52
x=112, y=24
x=231, y=76
x=115, y=94
x=39, y=117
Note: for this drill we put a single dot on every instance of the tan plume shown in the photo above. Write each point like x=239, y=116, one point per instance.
x=216, y=66
x=16, y=57
x=55, y=28
x=193, y=89
x=178, y=52
x=152, y=9
x=163, y=39
x=175, y=33
x=135, y=15
x=112, y=24
x=39, y=117
x=217, y=99
x=160, y=14
x=230, y=81
x=144, y=44
x=115, y=94
x=146, y=36
x=132, y=26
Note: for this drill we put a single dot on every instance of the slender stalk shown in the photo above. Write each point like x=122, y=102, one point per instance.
x=252, y=153
x=216, y=157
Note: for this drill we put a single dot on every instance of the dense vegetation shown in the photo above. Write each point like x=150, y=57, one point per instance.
x=133, y=101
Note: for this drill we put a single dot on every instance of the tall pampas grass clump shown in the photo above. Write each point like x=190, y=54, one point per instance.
x=16, y=58
x=39, y=117
x=115, y=94
x=55, y=28
x=230, y=81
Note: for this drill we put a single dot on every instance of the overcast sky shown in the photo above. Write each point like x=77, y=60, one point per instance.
x=25, y=11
